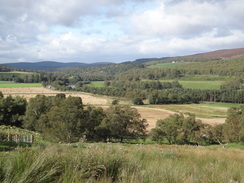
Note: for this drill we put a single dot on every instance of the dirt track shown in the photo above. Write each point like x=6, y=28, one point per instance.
x=151, y=114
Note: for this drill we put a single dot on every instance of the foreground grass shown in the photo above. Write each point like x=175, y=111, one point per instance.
x=122, y=163
x=8, y=84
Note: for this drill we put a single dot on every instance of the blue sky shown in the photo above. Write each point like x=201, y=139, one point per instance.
x=116, y=30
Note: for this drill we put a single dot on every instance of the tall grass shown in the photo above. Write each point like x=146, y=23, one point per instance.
x=117, y=163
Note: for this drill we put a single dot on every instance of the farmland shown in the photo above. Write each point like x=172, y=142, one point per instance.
x=208, y=113
x=185, y=84
x=199, y=84
x=9, y=84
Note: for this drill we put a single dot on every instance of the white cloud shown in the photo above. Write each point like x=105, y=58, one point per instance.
x=112, y=30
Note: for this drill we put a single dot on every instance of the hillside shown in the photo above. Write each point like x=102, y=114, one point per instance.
x=4, y=68
x=51, y=65
x=223, y=54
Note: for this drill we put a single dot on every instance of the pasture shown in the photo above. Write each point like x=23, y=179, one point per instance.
x=9, y=84
x=97, y=84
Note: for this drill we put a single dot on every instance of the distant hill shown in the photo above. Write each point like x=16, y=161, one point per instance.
x=5, y=68
x=223, y=54
x=144, y=60
x=50, y=65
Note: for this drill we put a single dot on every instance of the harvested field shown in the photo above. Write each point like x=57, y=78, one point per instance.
x=33, y=91
x=152, y=115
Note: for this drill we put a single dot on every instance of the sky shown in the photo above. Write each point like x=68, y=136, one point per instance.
x=91, y=31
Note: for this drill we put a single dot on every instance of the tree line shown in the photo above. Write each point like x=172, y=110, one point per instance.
x=182, y=129
x=62, y=119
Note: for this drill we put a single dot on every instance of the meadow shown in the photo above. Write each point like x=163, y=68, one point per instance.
x=210, y=85
x=106, y=163
x=9, y=84
x=193, y=84
x=97, y=84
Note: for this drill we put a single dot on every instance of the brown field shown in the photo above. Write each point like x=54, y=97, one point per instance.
x=151, y=114
x=31, y=92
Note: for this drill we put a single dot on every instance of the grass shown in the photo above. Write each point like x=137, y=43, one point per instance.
x=211, y=85
x=9, y=84
x=122, y=163
x=166, y=65
x=203, y=110
x=97, y=84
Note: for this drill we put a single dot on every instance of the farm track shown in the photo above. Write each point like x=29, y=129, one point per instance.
x=151, y=114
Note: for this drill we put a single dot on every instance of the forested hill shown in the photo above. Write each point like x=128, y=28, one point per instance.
x=4, y=68
x=51, y=65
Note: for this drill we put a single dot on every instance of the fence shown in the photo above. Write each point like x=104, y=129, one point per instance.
x=21, y=138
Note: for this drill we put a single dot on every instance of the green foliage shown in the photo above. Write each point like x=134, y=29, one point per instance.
x=12, y=110
x=234, y=125
x=123, y=122
x=233, y=85
x=61, y=96
x=137, y=101
x=178, y=129
x=115, y=102
x=166, y=65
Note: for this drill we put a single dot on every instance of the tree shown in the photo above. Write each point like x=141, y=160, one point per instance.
x=179, y=129
x=12, y=110
x=170, y=127
x=66, y=121
x=115, y=102
x=122, y=122
x=234, y=124
x=93, y=118
x=137, y=101
x=36, y=107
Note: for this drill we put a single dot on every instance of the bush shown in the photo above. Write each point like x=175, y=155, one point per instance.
x=137, y=101
x=115, y=102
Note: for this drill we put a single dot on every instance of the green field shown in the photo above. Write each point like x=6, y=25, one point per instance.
x=97, y=84
x=203, y=110
x=166, y=65
x=9, y=84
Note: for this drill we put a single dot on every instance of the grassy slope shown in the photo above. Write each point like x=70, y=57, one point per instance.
x=122, y=163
